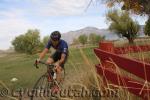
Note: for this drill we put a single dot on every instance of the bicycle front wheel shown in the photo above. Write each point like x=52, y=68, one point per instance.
x=41, y=89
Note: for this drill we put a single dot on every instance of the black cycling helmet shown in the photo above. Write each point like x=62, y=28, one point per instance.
x=55, y=35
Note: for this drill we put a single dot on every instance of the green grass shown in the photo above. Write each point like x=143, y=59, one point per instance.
x=80, y=70
x=21, y=67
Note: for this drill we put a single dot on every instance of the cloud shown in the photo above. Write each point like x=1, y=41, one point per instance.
x=16, y=16
x=13, y=20
x=50, y=7
x=59, y=7
x=12, y=23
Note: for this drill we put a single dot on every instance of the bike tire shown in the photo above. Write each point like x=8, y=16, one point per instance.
x=43, y=83
x=40, y=84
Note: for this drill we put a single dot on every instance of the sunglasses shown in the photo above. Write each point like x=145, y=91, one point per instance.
x=54, y=42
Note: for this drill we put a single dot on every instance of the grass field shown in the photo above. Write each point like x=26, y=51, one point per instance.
x=138, y=41
x=142, y=56
x=80, y=71
x=79, y=67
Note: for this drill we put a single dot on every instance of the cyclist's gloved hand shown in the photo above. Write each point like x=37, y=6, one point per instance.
x=37, y=61
x=56, y=65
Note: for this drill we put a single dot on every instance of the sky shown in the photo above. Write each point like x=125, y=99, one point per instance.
x=17, y=16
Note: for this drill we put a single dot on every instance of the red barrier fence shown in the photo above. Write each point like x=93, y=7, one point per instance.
x=132, y=85
x=137, y=68
x=110, y=61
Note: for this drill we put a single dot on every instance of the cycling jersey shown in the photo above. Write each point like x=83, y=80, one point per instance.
x=62, y=46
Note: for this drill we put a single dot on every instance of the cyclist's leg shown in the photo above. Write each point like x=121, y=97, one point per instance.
x=49, y=61
x=52, y=59
x=58, y=72
x=57, y=56
x=60, y=69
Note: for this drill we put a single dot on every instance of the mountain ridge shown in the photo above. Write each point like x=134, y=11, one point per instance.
x=69, y=36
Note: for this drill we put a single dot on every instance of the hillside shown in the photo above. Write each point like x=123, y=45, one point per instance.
x=69, y=36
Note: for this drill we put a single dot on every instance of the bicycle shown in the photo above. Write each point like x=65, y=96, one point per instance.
x=47, y=86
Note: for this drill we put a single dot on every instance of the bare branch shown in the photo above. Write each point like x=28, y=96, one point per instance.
x=90, y=2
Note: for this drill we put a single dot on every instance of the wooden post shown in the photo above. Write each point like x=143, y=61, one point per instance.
x=108, y=47
x=106, y=63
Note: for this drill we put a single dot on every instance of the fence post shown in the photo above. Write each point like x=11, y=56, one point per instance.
x=108, y=47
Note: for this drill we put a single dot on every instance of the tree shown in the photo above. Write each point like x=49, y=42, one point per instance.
x=27, y=43
x=18, y=43
x=123, y=25
x=94, y=38
x=137, y=6
x=32, y=41
x=147, y=28
x=45, y=40
x=99, y=38
x=83, y=39
x=43, y=43
x=75, y=41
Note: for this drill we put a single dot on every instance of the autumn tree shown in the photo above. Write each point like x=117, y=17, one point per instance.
x=137, y=6
x=123, y=25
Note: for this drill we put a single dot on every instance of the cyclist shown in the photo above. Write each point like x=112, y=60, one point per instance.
x=60, y=55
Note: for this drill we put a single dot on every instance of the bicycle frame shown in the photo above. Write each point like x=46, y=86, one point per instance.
x=46, y=81
x=50, y=70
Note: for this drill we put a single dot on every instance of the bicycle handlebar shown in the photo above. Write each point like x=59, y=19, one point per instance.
x=50, y=65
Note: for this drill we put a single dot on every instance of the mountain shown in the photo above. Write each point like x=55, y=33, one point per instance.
x=10, y=50
x=1, y=51
x=69, y=36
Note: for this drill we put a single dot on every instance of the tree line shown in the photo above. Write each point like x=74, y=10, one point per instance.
x=119, y=21
x=31, y=42
x=122, y=23
x=88, y=39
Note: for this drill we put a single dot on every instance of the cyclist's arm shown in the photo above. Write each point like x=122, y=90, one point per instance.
x=41, y=56
x=64, y=53
x=62, y=60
